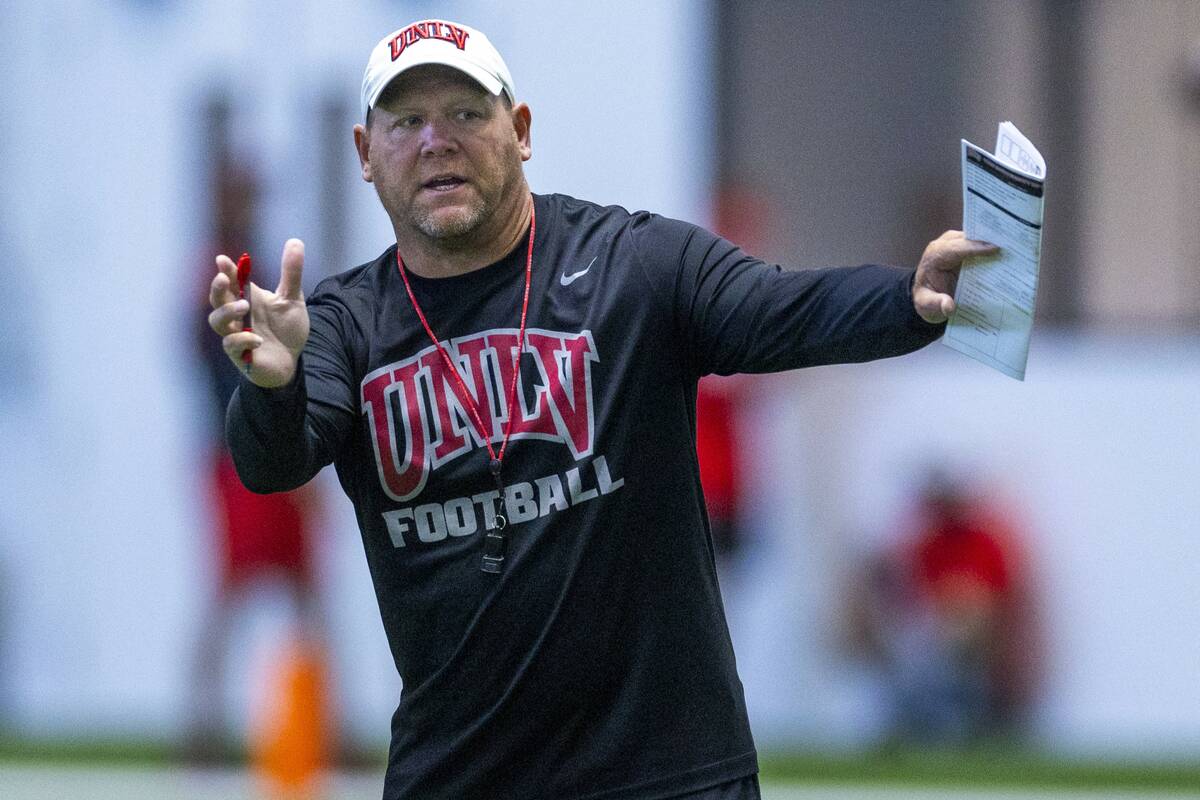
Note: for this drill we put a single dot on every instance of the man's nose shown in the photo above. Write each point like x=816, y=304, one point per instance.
x=436, y=139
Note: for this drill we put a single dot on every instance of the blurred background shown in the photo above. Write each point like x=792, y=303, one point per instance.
x=934, y=574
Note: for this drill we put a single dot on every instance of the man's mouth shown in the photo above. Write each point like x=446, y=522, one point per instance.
x=443, y=183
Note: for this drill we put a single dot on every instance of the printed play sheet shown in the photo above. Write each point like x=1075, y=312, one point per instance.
x=996, y=295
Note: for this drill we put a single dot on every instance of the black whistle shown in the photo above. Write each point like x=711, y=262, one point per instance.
x=494, y=543
x=493, y=552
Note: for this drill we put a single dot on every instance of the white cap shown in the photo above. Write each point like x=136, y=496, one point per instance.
x=435, y=41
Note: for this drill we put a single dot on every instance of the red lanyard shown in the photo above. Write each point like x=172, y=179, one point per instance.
x=494, y=548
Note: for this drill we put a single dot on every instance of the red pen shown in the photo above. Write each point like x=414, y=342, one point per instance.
x=243, y=279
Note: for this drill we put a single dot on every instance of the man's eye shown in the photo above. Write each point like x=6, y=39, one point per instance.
x=466, y=115
x=411, y=121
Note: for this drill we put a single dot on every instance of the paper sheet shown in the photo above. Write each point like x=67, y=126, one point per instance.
x=996, y=295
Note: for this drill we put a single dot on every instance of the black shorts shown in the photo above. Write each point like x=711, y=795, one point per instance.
x=740, y=789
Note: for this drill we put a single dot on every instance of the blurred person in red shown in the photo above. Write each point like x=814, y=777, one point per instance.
x=949, y=619
x=970, y=574
x=260, y=539
x=717, y=409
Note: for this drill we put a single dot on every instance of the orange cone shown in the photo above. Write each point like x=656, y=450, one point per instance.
x=291, y=749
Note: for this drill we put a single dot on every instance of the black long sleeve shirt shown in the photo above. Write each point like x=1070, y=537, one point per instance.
x=598, y=664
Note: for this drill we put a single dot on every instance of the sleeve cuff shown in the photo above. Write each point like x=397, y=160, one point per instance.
x=276, y=401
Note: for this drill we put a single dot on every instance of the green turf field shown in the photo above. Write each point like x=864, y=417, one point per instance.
x=141, y=771
x=26, y=781
x=989, y=767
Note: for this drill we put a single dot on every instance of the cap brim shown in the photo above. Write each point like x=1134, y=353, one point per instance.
x=481, y=76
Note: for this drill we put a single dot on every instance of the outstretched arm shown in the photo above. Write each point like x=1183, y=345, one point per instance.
x=735, y=313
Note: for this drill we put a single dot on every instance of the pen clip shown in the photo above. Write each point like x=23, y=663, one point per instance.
x=243, y=279
x=243, y=274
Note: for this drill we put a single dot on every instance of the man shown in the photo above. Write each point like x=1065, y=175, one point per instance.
x=973, y=674
x=509, y=395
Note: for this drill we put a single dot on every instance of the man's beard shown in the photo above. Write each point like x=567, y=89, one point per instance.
x=459, y=229
x=456, y=227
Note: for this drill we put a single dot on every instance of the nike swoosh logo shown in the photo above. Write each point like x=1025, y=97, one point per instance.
x=567, y=280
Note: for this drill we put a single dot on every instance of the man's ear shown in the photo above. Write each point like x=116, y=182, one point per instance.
x=362, y=145
x=522, y=122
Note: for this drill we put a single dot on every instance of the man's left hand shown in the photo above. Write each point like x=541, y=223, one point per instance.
x=937, y=274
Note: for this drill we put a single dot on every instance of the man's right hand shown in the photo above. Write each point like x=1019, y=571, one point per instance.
x=279, y=319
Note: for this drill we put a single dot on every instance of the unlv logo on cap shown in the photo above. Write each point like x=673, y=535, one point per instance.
x=430, y=29
x=397, y=400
